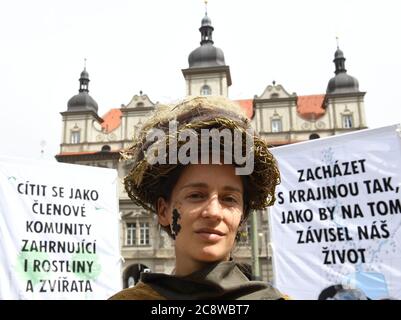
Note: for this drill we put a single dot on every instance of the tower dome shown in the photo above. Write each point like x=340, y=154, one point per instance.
x=207, y=55
x=83, y=101
x=341, y=82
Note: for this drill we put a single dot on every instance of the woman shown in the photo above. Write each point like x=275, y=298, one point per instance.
x=202, y=184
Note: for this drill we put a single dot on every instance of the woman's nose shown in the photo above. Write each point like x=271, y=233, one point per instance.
x=213, y=209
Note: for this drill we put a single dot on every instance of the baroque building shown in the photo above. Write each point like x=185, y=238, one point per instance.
x=279, y=116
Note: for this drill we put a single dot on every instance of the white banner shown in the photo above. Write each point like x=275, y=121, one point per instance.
x=58, y=231
x=337, y=216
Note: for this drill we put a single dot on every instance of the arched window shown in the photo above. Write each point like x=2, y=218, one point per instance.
x=206, y=90
x=347, y=118
x=75, y=136
x=347, y=121
x=314, y=136
x=131, y=281
x=132, y=274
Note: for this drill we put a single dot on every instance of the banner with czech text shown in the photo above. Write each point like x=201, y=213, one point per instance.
x=58, y=231
x=337, y=217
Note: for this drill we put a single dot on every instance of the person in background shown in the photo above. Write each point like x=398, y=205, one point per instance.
x=339, y=292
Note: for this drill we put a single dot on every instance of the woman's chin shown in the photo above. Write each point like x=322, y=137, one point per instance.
x=208, y=254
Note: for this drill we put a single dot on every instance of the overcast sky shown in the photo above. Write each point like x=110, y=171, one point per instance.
x=134, y=45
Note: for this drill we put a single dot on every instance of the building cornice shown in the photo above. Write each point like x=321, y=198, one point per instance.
x=134, y=109
x=82, y=112
x=216, y=69
x=345, y=95
x=275, y=100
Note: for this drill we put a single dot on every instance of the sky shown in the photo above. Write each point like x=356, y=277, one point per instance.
x=134, y=45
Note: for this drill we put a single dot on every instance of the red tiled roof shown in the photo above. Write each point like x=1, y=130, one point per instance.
x=247, y=106
x=112, y=120
x=311, y=107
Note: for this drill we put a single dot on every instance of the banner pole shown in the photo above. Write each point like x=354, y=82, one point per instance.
x=255, y=247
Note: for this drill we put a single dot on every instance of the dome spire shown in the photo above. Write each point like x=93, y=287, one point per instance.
x=84, y=80
x=206, y=55
x=83, y=101
x=339, y=60
x=342, y=82
x=206, y=28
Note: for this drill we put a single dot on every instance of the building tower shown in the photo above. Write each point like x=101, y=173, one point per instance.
x=343, y=99
x=208, y=73
x=77, y=120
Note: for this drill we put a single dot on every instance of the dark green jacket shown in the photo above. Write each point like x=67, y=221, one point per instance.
x=220, y=281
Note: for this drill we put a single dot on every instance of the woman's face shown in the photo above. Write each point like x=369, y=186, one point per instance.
x=204, y=212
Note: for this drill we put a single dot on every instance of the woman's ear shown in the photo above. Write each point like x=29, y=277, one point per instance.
x=162, y=212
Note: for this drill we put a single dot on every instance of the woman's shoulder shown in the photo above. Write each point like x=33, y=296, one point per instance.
x=141, y=291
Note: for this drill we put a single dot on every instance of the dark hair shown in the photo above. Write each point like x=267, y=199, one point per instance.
x=167, y=184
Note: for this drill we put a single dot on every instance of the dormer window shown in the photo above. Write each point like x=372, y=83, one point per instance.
x=206, y=90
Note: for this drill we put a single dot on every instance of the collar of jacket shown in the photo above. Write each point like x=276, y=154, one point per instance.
x=223, y=280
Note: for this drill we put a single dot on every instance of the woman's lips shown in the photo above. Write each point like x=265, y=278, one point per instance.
x=210, y=235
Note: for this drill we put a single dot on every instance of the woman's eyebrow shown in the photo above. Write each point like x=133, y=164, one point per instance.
x=205, y=186
x=195, y=185
x=231, y=188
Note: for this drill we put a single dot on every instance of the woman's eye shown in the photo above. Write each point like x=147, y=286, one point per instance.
x=230, y=199
x=195, y=196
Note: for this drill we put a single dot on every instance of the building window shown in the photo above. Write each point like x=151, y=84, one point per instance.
x=75, y=136
x=144, y=233
x=277, y=125
x=274, y=95
x=131, y=234
x=131, y=282
x=347, y=121
x=206, y=91
x=138, y=234
x=314, y=136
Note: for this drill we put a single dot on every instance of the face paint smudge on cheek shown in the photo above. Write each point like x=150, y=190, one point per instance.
x=176, y=227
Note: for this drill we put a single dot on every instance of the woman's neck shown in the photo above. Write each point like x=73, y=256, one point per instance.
x=186, y=265
x=185, y=268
